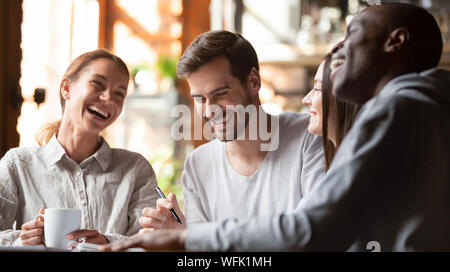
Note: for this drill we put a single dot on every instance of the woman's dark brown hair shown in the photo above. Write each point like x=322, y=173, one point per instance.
x=212, y=44
x=342, y=115
x=72, y=73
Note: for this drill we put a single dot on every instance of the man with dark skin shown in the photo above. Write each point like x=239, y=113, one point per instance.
x=389, y=183
x=382, y=43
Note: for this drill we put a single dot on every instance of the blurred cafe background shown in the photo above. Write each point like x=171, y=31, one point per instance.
x=39, y=38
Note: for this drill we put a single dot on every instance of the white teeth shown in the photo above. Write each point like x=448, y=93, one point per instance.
x=94, y=108
x=222, y=119
x=336, y=63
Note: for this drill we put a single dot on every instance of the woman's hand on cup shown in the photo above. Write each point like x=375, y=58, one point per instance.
x=33, y=231
x=91, y=236
x=161, y=218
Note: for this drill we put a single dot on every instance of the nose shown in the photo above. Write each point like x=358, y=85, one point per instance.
x=211, y=110
x=207, y=112
x=307, y=100
x=105, y=95
x=337, y=47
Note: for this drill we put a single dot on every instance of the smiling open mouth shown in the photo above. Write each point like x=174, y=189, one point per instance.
x=220, y=122
x=98, y=112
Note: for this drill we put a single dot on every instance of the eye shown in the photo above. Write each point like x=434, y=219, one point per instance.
x=199, y=99
x=350, y=31
x=120, y=94
x=220, y=94
x=317, y=87
x=97, y=84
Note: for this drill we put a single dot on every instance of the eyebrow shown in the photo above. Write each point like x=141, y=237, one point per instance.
x=106, y=79
x=213, y=91
x=101, y=76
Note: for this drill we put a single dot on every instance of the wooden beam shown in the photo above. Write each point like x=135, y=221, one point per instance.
x=138, y=29
x=105, y=25
x=195, y=20
x=102, y=13
x=10, y=58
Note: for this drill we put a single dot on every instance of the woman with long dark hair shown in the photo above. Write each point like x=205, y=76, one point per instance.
x=330, y=118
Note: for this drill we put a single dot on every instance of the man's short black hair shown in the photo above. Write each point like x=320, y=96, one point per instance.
x=425, y=36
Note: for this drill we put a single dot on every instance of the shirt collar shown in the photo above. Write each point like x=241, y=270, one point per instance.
x=103, y=154
x=53, y=152
x=402, y=81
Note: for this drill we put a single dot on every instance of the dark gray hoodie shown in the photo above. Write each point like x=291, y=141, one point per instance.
x=388, y=187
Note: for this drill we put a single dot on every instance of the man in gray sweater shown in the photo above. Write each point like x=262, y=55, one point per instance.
x=389, y=183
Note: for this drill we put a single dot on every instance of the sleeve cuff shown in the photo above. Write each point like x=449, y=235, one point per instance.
x=197, y=237
x=200, y=237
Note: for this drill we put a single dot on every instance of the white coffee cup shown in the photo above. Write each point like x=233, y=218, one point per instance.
x=58, y=223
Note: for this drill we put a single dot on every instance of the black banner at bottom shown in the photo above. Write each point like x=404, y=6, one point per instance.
x=214, y=261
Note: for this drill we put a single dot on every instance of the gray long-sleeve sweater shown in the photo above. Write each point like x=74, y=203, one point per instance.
x=389, y=183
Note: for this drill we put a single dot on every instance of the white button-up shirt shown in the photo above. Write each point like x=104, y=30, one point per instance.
x=111, y=188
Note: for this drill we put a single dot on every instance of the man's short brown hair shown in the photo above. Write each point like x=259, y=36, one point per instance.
x=212, y=44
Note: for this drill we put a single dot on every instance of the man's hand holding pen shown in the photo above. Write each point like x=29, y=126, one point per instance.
x=161, y=217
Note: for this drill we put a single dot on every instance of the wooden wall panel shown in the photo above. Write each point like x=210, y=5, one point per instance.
x=195, y=20
x=10, y=58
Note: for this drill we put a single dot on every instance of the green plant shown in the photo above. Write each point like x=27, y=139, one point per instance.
x=139, y=67
x=168, y=172
x=167, y=67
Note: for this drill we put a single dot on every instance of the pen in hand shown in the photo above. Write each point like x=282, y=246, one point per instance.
x=174, y=214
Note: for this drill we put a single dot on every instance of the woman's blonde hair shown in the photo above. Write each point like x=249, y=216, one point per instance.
x=72, y=73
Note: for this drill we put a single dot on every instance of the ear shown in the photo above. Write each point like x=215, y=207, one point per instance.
x=64, y=88
x=396, y=40
x=253, y=81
